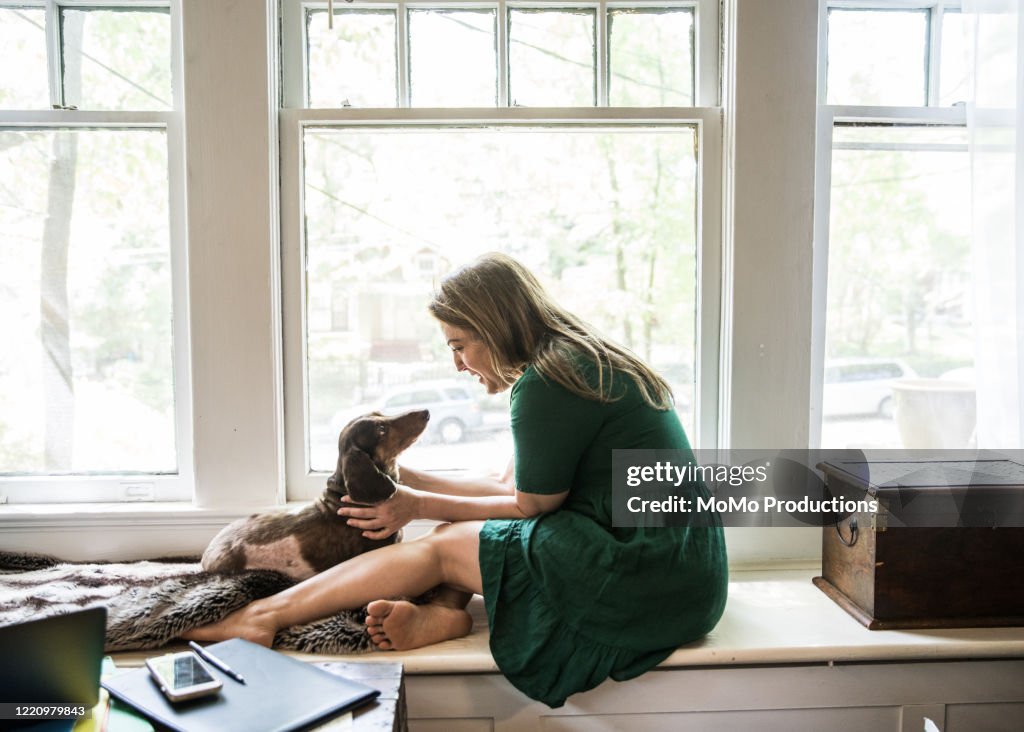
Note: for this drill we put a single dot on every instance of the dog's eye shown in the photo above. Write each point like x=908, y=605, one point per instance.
x=382, y=429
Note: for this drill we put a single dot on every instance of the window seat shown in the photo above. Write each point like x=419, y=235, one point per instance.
x=772, y=617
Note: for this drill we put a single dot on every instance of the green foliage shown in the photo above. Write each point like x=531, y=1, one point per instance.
x=899, y=257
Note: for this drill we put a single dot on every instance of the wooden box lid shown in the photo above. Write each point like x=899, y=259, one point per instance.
x=879, y=477
x=981, y=492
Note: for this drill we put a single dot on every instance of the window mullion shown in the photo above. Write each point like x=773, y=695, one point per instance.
x=601, y=43
x=707, y=59
x=934, y=53
x=294, y=55
x=53, y=53
x=404, y=72
x=503, y=53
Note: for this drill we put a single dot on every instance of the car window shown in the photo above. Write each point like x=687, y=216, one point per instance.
x=456, y=394
x=426, y=397
x=401, y=400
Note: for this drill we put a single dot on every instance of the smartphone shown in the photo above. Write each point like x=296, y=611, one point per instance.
x=183, y=676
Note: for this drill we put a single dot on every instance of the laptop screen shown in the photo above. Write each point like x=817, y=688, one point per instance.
x=53, y=660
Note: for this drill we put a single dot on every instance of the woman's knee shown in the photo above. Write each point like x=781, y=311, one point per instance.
x=457, y=547
x=455, y=536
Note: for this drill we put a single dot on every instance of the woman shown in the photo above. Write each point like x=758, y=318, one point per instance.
x=571, y=599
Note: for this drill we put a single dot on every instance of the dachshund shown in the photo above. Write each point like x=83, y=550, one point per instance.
x=302, y=543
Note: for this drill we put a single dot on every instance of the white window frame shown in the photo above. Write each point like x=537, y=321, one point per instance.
x=831, y=115
x=302, y=482
x=706, y=50
x=133, y=486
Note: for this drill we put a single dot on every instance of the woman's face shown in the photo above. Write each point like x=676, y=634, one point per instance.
x=470, y=354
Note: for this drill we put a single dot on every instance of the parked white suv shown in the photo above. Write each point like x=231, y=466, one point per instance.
x=856, y=386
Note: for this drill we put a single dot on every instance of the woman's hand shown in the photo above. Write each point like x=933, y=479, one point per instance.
x=384, y=519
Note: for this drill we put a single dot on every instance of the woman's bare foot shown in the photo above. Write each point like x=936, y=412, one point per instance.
x=399, y=625
x=250, y=623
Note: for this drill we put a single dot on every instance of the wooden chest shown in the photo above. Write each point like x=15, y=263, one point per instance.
x=944, y=549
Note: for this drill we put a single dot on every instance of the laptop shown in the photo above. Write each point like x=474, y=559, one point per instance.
x=52, y=660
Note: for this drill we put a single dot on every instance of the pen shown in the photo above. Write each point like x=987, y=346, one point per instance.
x=207, y=656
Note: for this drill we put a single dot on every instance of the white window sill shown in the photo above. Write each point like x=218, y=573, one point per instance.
x=90, y=532
x=146, y=529
x=91, y=515
x=106, y=515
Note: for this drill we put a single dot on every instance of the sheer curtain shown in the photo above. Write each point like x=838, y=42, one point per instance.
x=995, y=32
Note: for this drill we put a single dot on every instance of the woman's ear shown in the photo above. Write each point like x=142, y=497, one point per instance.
x=363, y=481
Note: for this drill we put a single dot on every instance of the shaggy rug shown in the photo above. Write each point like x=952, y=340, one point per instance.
x=150, y=603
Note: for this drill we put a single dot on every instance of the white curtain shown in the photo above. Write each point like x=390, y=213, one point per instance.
x=995, y=32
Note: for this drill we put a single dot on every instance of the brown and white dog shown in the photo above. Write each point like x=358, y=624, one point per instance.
x=303, y=543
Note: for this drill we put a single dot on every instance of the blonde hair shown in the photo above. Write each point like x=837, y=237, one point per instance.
x=502, y=304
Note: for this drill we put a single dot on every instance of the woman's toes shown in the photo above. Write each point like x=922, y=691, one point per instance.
x=381, y=640
x=379, y=609
x=376, y=612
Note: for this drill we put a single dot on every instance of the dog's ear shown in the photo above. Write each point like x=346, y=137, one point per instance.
x=363, y=480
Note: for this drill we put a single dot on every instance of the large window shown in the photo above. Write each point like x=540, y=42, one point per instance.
x=91, y=261
x=582, y=140
x=899, y=332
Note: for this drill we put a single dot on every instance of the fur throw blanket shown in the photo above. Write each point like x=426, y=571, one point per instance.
x=150, y=603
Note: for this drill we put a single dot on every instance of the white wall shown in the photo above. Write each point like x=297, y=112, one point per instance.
x=770, y=109
x=773, y=109
x=233, y=265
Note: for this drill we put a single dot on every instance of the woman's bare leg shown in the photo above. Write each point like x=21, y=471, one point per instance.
x=448, y=556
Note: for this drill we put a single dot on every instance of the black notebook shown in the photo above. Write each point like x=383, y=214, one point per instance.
x=281, y=693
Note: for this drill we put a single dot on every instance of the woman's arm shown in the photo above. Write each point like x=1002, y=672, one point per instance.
x=473, y=508
x=432, y=482
x=382, y=520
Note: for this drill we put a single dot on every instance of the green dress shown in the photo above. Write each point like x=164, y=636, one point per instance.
x=571, y=599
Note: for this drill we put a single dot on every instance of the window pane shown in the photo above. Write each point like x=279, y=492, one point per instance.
x=85, y=288
x=994, y=64
x=877, y=57
x=953, y=75
x=23, y=76
x=117, y=59
x=605, y=216
x=651, y=58
x=452, y=58
x=899, y=326
x=551, y=58
x=355, y=62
